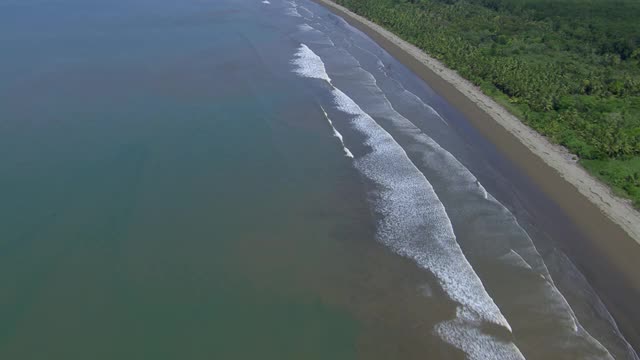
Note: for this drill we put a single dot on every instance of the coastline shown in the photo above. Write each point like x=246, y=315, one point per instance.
x=610, y=223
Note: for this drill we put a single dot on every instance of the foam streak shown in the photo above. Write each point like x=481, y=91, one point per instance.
x=414, y=223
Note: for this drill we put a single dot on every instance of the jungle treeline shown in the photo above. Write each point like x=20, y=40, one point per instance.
x=569, y=68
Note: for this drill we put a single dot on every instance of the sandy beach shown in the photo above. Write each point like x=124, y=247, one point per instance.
x=611, y=224
x=241, y=179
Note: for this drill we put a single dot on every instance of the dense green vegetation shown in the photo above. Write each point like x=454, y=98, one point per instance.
x=569, y=68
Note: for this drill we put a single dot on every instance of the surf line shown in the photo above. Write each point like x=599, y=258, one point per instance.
x=440, y=163
x=407, y=205
x=337, y=134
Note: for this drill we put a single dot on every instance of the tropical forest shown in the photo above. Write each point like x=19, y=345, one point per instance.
x=570, y=69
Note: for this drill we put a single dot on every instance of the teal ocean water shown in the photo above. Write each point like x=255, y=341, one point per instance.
x=241, y=179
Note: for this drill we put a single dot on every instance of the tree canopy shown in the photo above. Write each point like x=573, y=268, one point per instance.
x=568, y=68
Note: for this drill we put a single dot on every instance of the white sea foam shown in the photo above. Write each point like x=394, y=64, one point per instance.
x=578, y=287
x=292, y=10
x=337, y=134
x=462, y=185
x=314, y=36
x=524, y=254
x=309, y=65
x=414, y=223
x=406, y=93
x=306, y=12
x=267, y=2
x=516, y=260
x=305, y=27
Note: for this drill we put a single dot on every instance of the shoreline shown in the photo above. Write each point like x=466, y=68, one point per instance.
x=611, y=225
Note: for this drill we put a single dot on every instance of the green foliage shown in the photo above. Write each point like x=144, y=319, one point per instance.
x=623, y=175
x=569, y=68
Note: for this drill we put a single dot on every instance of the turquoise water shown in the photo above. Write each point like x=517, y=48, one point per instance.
x=154, y=205
x=174, y=185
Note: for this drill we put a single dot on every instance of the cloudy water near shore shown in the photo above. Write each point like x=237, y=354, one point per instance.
x=246, y=178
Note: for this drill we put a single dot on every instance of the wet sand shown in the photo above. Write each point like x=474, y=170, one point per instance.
x=609, y=253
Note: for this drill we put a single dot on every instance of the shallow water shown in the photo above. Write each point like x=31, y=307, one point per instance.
x=241, y=179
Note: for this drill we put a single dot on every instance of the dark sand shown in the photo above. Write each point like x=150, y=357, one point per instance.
x=608, y=256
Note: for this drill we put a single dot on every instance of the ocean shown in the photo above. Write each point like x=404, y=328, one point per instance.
x=239, y=179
